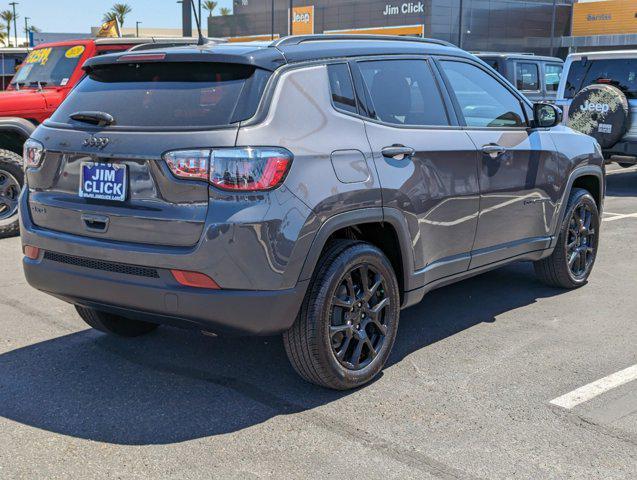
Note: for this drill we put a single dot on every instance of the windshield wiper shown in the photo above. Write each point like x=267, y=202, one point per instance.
x=95, y=118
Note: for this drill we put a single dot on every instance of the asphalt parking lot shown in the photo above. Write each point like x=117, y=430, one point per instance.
x=480, y=385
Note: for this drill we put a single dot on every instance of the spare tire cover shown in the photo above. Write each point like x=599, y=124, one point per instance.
x=602, y=112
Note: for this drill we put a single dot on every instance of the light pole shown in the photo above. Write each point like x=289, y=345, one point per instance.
x=137, y=29
x=272, y=23
x=15, y=28
x=26, y=30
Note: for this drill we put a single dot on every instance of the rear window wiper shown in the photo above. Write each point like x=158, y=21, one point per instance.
x=95, y=118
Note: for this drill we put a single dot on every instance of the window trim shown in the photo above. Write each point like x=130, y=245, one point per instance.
x=539, y=73
x=452, y=120
x=525, y=104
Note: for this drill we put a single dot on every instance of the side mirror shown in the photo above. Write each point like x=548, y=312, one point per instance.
x=546, y=115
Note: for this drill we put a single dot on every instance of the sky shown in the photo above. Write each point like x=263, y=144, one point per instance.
x=77, y=16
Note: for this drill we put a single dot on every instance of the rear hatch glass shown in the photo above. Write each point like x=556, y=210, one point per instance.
x=174, y=95
x=621, y=73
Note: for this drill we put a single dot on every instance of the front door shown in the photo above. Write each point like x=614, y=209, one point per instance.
x=427, y=167
x=518, y=166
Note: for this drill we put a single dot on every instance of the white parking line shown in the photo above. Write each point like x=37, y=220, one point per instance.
x=592, y=390
x=618, y=216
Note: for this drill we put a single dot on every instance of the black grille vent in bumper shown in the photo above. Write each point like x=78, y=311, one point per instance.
x=102, y=265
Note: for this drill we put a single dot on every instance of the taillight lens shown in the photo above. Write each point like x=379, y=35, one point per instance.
x=33, y=153
x=189, y=163
x=249, y=169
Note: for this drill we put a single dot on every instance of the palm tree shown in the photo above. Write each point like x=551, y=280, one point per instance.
x=109, y=17
x=210, y=6
x=7, y=16
x=121, y=10
x=225, y=11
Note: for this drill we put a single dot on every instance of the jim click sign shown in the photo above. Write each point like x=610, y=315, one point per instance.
x=404, y=9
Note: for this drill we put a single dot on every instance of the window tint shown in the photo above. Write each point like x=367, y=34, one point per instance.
x=552, y=75
x=342, y=88
x=528, y=76
x=621, y=72
x=484, y=101
x=168, y=94
x=404, y=92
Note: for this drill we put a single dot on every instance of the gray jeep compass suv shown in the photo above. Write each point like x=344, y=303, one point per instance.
x=313, y=186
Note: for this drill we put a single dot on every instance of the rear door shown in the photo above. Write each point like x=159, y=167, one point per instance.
x=426, y=164
x=131, y=194
x=518, y=166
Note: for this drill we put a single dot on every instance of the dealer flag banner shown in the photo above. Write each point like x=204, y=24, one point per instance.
x=109, y=29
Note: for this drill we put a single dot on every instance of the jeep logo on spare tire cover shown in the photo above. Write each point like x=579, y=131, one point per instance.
x=602, y=112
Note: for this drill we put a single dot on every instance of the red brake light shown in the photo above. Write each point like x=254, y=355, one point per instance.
x=32, y=253
x=142, y=57
x=189, y=163
x=194, y=279
x=249, y=169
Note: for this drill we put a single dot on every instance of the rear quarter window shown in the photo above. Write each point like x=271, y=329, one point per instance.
x=166, y=94
x=527, y=76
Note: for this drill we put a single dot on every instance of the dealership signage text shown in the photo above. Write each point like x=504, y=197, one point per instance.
x=405, y=8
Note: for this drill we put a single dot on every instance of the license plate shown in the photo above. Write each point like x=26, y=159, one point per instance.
x=104, y=181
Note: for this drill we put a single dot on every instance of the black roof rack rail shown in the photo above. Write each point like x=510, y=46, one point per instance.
x=298, y=39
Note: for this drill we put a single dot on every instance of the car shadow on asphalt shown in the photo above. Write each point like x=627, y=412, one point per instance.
x=178, y=385
x=622, y=184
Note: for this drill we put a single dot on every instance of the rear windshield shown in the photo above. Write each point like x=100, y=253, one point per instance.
x=168, y=94
x=619, y=72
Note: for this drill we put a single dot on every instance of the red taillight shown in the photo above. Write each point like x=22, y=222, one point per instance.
x=194, y=279
x=30, y=252
x=189, y=163
x=249, y=169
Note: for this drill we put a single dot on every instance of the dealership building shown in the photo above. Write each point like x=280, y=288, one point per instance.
x=502, y=25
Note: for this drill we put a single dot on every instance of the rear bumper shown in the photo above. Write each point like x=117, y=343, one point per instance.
x=625, y=149
x=161, y=299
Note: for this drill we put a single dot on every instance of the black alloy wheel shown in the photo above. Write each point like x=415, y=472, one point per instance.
x=9, y=193
x=581, y=241
x=357, y=327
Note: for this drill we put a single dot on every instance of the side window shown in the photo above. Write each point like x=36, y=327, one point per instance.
x=342, y=88
x=484, y=101
x=552, y=74
x=528, y=76
x=404, y=92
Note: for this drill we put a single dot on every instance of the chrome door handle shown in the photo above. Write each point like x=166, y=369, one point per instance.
x=493, y=150
x=398, y=152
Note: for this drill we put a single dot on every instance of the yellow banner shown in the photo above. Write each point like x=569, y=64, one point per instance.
x=40, y=56
x=303, y=20
x=109, y=29
x=608, y=17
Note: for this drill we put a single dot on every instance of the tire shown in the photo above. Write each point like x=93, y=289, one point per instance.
x=321, y=345
x=11, y=182
x=114, y=324
x=602, y=112
x=556, y=270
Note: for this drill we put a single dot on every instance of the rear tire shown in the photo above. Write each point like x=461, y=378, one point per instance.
x=114, y=324
x=348, y=322
x=11, y=182
x=572, y=261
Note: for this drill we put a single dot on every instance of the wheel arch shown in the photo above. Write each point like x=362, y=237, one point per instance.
x=14, y=131
x=591, y=178
x=386, y=230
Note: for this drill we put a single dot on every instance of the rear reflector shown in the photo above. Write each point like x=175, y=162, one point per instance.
x=194, y=279
x=30, y=252
x=142, y=57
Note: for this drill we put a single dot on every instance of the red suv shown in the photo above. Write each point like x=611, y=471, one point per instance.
x=43, y=81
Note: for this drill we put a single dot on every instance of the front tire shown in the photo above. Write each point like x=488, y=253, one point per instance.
x=572, y=261
x=114, y=324
x=11, y=182
x=348, y=322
